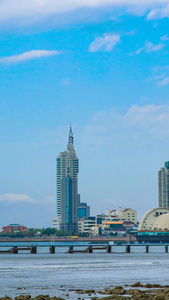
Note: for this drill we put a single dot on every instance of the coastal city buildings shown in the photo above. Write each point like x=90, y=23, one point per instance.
x=67, y=170
x=116, y=222
x=163, y=186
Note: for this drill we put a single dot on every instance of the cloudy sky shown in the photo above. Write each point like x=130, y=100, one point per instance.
x=101, y=65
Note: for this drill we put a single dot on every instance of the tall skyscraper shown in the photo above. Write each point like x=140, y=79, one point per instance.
x=67, y=187
x=163, y=186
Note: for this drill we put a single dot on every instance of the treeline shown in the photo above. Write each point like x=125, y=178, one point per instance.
x=35, y=232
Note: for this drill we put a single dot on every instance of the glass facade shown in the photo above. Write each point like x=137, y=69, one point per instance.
x=163, y=186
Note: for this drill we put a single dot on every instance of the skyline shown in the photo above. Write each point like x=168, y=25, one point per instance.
x=102, y=68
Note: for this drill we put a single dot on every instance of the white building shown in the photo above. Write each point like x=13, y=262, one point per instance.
x=123, y=214
x=148, y=221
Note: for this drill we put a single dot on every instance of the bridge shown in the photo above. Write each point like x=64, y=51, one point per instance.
x=32, y=244
x=15, y=245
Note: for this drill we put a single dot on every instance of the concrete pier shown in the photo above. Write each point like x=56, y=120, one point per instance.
x=147, y=249
x=128, y=249
x=15, y=246
x=108, y=249
x=70, y=249
x=52, y=249
x=33, y=250
x=15, y=250
x=90, y=249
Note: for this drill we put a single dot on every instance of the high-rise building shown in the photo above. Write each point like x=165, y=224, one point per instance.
x=67, y=187
x=163, y=186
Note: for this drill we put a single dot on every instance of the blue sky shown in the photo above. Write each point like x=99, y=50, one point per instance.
x=102, y=66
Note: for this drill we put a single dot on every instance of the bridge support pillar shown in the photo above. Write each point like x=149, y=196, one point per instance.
x=147, y=249
x=70, y=249
x=128, y=249
x=166, y=249
x=90, y=249
x=33, y=250
x=15, y=250
x=52, y=249
x=108, y=249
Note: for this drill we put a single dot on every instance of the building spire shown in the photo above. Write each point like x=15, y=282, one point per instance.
x=70, y=140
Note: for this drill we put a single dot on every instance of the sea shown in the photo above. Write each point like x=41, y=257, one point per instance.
x=60, y=274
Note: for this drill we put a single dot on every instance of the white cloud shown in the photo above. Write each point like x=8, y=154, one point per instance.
x=14, y=198
x=150, y=47
x=132, y=32
x=160, y=12
x=31, y=11
x=145, y=109
x=164, y=37
x=29, y=55
x=140, y=124
x=161, y=75
x=20, y=198
x=106, y=43
x=163, y=82
x=148, y=116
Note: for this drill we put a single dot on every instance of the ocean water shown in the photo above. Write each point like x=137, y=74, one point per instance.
x=57, y=274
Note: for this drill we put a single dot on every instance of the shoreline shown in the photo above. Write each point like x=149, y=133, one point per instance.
x=134, y=292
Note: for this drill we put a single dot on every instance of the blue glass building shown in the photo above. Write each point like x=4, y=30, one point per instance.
x=67, y=187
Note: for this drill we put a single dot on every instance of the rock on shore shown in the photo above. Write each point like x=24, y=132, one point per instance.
x=135, y=292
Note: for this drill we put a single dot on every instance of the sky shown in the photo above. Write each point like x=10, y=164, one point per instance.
x=101, y=65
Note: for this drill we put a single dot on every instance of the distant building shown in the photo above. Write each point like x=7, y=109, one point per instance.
x=123, y=214
x=88, y=223
x=114, y=227
x=149, y=219
x=81, y=225
x=55, y=223
x=67, y=188
x=154, y=226
x=14, y=228
x=109, y=228
x=69, y=205
x=83, y=210
x=85, y=224
x=129, y=224
x=115, y=222
x=163, y=186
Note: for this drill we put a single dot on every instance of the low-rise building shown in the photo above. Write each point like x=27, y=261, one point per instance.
x=150, y=218
x=108, y=228
x=123, y=214
x=81, y=225
x=88, y=223
x=14, y=228
x=113, y=227
x=154, y=226
x=123, y=219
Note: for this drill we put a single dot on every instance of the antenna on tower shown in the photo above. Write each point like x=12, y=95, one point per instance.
x=70, y=140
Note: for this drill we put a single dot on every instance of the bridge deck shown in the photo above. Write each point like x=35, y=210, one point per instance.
x=73, y=243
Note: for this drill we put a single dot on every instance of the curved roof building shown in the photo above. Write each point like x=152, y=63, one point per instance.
x=162, y=222
x=150, y=220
